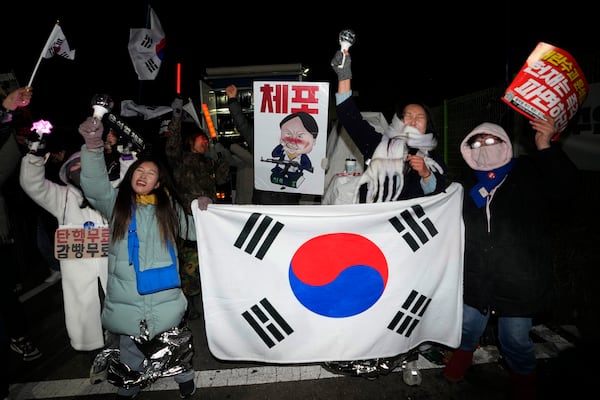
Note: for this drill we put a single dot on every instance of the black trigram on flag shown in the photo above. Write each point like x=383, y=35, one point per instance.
x=406, y=319
x=264, y=229
x=55, y=49
x=151, y=65
x=267, y=323
x=408, y=226
x=147, y=42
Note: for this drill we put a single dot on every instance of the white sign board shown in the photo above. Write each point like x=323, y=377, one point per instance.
x=290, y=135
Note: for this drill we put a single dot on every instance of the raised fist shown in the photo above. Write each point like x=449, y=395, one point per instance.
x=91, y=131
x=345, y=72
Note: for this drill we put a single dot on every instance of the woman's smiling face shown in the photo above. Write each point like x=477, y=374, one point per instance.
x=145, y=178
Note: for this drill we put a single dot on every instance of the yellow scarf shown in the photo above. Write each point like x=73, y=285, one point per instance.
x=145, y=199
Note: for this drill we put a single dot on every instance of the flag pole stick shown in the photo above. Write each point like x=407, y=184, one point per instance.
x=140, y=82
x=41, y=55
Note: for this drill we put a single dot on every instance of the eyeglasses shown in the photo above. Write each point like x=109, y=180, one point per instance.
x=478, y=141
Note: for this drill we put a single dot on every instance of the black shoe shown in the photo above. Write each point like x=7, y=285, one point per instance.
x=24, y=347
x=194, y=307
x=187, y=389
x=192, y=313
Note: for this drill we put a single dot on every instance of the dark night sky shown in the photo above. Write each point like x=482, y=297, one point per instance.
x=425, y=52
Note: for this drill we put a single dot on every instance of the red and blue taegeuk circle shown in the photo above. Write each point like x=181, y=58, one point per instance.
x=338, y=275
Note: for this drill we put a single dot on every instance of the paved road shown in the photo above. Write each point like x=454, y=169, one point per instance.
x=63, y=373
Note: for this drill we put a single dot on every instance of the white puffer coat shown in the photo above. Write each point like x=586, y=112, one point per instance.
x=79, y=276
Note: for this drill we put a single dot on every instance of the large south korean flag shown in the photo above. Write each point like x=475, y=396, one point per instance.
x=317, y=283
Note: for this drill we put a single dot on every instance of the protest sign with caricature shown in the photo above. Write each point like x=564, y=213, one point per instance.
x=290, y=125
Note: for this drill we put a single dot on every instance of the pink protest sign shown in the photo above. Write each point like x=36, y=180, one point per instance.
x=550, y=83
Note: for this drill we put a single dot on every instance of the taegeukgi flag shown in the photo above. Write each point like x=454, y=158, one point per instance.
x=318, y=283
x=57, y=44
x=146, y=48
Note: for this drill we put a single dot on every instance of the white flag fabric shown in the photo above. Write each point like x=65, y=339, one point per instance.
x=146, y=48
x=57, y=45
x=317, y=283
x=130, y=109
x=191, y=110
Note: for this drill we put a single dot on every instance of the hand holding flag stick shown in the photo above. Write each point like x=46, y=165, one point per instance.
x=18, y=98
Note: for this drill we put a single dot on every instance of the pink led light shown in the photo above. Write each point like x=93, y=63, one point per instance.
x=42, y=127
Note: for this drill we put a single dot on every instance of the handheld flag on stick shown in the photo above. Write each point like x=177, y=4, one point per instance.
x=146, y=48
x=56, y=44
x=191, y=110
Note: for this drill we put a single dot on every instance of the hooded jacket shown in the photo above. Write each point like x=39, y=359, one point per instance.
x=124, y=308
x=508, y=255
x=79, y=276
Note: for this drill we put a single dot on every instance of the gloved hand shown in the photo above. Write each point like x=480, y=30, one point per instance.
x=177, y=106
x=36, y=144
x=91, y=131
x=345, y=72
x=203, y=202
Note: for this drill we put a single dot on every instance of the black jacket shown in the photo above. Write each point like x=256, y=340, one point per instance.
x=509, y=270
x=367, y=139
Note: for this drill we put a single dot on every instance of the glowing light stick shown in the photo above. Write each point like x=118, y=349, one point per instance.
x=178, y=78
x=101, y=103
x=40, y=127
x=346, y=39
x=209, y=123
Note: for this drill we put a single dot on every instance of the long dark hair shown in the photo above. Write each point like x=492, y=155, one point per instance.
x=167, y=203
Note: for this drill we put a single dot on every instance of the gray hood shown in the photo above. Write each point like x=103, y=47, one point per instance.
x=487, y=158
x=62, y=174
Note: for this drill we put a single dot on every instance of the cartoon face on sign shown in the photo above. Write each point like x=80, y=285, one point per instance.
x=298, y=134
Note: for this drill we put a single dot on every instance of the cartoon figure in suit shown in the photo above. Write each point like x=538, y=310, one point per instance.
x=298, y=135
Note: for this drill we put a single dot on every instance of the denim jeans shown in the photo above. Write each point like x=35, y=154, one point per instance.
x=131, y=355
x=515, y=344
